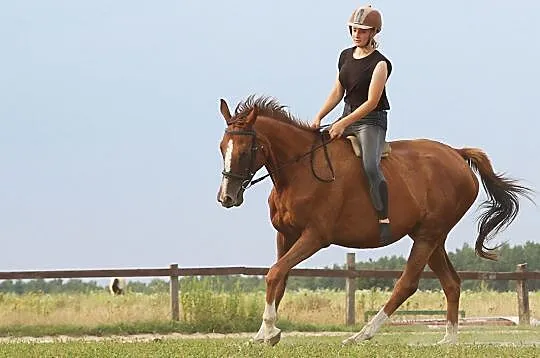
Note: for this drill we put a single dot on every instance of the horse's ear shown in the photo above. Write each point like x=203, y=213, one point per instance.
x=224, y=108
x=252, y=115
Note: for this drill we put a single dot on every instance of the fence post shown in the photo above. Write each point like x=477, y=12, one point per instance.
x=523, y=297
x=350, y=290
x=175, y=306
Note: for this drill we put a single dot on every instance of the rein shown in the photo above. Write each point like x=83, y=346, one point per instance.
x=248, y=180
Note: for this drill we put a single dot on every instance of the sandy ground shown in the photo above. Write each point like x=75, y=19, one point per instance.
x=156, y=337
x=247, y=336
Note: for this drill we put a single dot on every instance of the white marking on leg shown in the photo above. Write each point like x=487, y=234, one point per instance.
x=369, y=329
x=269, y=320
x=451, y=334
x=259, y=337
x=227, y=167
x=269, y=315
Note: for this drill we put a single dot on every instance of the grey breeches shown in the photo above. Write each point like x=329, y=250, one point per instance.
x=371, y=138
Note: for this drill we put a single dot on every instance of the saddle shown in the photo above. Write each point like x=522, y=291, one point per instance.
x=387, y=149
x=358, y=150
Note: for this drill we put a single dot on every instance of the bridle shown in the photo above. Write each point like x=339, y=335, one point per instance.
x=249, y=173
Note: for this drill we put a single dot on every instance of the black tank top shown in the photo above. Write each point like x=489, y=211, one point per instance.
x=355, y=77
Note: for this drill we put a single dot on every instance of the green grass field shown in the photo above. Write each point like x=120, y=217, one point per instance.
x=100, y=325
x=302, y=307
x=484, y=343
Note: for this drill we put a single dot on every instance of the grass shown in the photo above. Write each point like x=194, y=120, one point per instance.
x=206, y=311
x=92, y=308
x=329, y=306
x=385, y=346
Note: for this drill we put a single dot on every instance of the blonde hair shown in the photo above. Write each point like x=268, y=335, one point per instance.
x=374, y=43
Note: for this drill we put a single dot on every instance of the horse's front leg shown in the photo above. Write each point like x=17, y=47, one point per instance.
x=308, y=243
x=284, y=243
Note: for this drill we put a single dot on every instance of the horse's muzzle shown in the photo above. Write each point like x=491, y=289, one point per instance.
x=228, y=201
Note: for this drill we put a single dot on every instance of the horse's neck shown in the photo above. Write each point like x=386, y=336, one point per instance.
x=287, y=143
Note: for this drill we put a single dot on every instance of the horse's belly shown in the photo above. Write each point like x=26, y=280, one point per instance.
x=365, y=233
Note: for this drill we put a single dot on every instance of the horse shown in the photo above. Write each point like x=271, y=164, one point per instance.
x=320, y=197
x=117, y=286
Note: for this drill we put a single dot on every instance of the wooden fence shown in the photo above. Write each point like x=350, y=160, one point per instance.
x=521, y=276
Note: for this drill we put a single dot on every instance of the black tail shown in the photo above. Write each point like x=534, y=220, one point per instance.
x=502, y=205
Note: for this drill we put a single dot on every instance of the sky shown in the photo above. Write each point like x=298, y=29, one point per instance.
x=110, y=122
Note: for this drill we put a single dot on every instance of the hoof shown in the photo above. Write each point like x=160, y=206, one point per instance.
x=272, y=341
x=259, y=337
x=357, y=338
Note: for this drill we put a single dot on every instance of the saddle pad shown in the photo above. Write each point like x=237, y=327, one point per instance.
x=358, y=151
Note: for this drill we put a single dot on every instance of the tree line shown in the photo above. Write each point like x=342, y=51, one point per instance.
x=463, y=259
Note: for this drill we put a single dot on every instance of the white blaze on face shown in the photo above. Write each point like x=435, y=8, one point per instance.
x=227, y=166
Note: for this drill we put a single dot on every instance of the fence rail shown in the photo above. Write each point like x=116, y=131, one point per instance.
x=252, y=271
x=521, y=276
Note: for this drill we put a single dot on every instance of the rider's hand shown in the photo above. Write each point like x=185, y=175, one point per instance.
x=337, y=130
x=316, y=123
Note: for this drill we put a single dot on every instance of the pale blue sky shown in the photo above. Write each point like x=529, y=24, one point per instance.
x=109, y=120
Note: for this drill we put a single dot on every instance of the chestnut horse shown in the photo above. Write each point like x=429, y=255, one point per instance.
x=320, y=197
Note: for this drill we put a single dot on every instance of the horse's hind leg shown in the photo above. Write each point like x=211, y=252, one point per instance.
x=450, y=282
x=406, y=285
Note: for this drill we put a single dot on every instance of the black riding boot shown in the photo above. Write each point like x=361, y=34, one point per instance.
x=385, y=231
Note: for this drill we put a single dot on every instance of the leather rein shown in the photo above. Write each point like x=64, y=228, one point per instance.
x=249, y=173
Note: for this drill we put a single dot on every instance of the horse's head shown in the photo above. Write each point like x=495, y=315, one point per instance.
x=242, y=156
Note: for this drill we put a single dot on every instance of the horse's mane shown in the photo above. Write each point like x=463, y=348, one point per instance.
x=269, y=107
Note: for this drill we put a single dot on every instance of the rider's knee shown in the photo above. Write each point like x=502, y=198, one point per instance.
x=371, y=168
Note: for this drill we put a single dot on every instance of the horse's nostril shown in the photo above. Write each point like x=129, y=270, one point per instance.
x=226, y=201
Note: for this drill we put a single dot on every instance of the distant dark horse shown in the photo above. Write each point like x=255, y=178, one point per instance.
x=117, y=286
x=431, y=186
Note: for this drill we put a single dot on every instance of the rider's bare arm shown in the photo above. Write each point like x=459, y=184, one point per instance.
x=333, y=99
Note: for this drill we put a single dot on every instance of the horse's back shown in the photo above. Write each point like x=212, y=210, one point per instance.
x=435, y=174
x=427, y=147
x=423, y=155
x=417, y=165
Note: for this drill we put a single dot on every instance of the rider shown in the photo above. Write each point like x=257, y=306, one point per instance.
x=362, y=75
